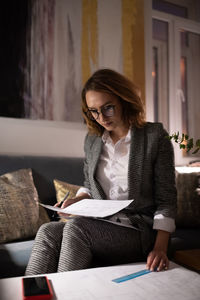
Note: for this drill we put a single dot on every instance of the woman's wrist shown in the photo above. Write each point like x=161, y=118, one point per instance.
x=82, y=196
x=162, y=240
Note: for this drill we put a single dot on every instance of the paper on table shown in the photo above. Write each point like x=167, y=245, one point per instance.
x=96, y=283
x=93, y=207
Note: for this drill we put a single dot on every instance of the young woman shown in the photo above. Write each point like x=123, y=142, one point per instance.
x=125, y=158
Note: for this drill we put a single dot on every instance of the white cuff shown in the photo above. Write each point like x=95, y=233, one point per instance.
x=83, y=190
x=164, y=223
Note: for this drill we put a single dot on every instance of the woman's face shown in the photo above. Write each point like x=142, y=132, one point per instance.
x=111, y=118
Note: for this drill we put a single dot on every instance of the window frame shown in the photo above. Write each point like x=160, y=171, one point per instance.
x=174, y=24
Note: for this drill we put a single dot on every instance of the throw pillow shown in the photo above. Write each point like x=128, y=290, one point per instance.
x=62, y=188
x=188, y=198
x=20, y=213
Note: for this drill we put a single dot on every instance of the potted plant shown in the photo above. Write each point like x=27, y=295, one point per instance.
x=185, y=142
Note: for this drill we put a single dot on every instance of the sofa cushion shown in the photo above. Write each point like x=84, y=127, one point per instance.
x=14, y=258
x=20, y=214
x=188, y=198
x=184, y=238
x=62, y=188
x=44, y=170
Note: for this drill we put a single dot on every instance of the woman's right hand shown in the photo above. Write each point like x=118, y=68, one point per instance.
x=71, y=201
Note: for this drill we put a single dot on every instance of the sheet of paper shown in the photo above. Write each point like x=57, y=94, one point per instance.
x=93, y=207
x=96, y=284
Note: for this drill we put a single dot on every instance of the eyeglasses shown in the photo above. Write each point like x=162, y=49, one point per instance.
x=107, y=111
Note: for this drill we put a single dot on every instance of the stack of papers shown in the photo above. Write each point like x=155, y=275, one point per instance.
x=93, y=207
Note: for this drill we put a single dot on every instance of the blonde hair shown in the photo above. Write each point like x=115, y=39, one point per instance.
x=112, y=82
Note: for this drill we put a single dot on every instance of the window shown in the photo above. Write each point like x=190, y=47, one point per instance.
x=176, y=68
x=160, y=72
x=170, y=8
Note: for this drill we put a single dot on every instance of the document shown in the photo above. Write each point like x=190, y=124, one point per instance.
x=92, y=207
x=177, y=283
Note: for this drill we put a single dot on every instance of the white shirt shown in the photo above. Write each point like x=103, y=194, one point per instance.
x=112, y=174
x=112, y=170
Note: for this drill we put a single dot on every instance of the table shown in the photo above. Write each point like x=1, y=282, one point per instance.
x=95, y=284
x=188, y=258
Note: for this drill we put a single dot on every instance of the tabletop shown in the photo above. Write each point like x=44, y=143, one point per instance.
x=97, y=283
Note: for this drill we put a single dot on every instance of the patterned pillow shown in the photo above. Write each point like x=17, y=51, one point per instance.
x=20, y=213
x=188, y=198
x=62, y=188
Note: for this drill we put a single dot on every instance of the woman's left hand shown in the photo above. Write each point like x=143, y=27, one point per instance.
x=157, y=260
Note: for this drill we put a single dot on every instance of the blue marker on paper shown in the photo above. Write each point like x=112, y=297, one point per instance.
x=131, y=276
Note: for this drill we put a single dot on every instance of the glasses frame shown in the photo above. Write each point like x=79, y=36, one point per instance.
x=88, y=113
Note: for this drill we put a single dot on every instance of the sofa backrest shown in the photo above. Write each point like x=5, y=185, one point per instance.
x=45, y=170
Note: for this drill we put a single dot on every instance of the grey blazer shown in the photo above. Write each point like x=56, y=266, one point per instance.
x=151, y=177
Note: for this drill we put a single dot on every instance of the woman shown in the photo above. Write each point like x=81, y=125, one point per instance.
x=125, y=158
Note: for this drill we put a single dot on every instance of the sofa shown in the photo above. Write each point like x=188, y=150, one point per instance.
x=14, y=254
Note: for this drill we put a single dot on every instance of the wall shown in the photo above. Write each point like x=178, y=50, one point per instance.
x=78, y=37
x=31, y=137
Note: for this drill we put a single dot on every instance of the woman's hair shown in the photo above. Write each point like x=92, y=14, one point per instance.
x=112, y=82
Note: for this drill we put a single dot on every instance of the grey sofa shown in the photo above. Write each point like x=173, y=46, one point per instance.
x=14, y=256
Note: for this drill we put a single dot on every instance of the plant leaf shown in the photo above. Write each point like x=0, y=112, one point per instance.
x=182, y=146
x=196, y=150
x=198, y=143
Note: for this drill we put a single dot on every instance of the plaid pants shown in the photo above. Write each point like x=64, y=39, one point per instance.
x=78, y=243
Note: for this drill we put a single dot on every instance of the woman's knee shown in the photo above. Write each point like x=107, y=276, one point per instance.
x=77, y=224
x=72, y=225
x=46, y=227
x=50, y=228
x=76, y=229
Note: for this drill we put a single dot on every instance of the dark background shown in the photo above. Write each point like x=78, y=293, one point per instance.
x=13, y=38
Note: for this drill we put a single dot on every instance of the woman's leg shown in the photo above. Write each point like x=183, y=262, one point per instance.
x=46, y=250
x=85, y=239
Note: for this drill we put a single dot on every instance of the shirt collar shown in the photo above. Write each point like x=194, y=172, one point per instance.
x=128, y=136
x=106, y=136
x=107, y=139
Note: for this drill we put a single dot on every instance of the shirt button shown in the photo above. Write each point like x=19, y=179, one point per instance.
x=112, y=192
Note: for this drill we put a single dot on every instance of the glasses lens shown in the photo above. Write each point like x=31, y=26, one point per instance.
x=108, y=111
x=92, y=115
